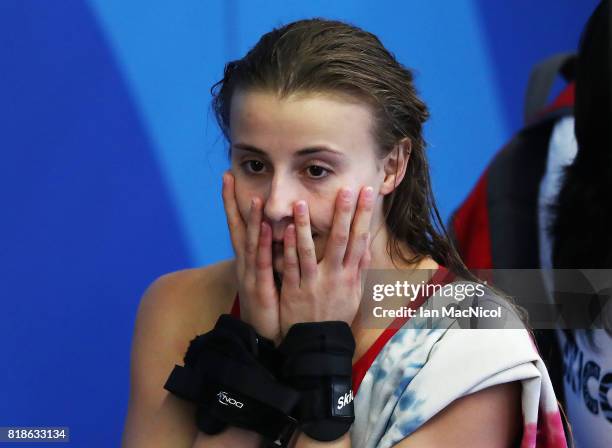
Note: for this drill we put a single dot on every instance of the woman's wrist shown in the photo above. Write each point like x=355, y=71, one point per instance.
x=240, y=378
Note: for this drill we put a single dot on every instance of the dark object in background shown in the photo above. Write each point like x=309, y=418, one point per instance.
x=582, y=232
x=497, y=225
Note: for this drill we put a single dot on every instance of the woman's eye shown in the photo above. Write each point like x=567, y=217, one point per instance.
x=314, y=172
x=253, y=166
x=317, y=172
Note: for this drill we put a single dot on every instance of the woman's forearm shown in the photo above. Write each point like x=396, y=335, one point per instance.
x=303, y=441
x=232, y=436
x=239, y=438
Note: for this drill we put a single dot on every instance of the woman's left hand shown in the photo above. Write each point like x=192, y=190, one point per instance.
x=332, y=288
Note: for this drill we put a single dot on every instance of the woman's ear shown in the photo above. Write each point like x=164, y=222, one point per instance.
x=395, y=165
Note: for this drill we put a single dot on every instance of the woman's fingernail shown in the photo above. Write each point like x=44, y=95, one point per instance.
x=369, y=193
x=301, y=207
x=252, y=203
x=346, y=193
x=291, y=231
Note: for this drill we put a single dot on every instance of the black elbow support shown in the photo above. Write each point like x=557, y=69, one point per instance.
x=239, y=378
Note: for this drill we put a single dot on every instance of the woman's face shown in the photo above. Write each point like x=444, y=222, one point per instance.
x=303, y=147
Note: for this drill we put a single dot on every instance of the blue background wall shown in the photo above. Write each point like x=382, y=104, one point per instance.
x=112, y=161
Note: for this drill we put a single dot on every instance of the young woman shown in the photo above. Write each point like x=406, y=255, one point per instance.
x=329, y=177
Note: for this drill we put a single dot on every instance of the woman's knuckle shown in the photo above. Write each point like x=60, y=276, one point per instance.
x=261, y=264
x=250, y=248
x=308, y=252
x=341, y=238
x=346, y=207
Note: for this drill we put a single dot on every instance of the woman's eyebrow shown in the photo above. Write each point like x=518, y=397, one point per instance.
x=301, y=152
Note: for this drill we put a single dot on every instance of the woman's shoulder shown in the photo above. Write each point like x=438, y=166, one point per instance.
x=195, y=296
x=174, y=309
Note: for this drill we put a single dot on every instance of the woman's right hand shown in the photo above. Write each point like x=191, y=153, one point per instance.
x=252, y=243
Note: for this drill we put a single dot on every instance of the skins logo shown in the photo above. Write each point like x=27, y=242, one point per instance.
x=226, y=401
x=345, y=399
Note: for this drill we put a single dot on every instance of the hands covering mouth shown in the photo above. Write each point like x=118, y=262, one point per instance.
x=311, y=290
x=278, y=245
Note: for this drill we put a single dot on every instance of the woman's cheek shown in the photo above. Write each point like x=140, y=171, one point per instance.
x=243, y=200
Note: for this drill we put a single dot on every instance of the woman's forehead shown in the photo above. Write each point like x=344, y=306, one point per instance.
x=264, y=120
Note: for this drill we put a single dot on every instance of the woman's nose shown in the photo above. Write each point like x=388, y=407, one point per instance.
x=278, y=204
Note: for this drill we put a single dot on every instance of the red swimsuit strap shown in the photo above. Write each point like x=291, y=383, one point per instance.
x=363, y=364
x=236, y=307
